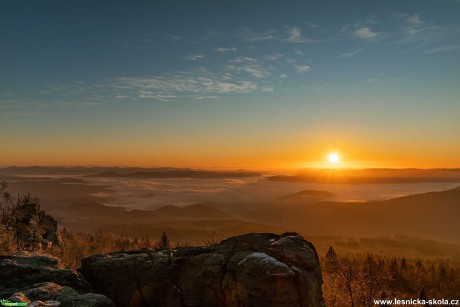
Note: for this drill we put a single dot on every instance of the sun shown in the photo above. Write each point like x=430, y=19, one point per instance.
x=333, y=157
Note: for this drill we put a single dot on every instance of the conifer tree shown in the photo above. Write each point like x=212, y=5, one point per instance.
x=164, y=241
x=332, y=262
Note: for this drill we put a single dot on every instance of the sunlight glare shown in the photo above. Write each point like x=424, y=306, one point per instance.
x=333, y=157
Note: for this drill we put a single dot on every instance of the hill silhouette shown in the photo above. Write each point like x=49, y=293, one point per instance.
x=193, y=212
x=307, y=195
x=195, y=174
x=371, y=176
x=127, y=172
x=432, y=215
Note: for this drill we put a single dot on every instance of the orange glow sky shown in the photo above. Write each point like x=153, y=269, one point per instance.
x=251, y=153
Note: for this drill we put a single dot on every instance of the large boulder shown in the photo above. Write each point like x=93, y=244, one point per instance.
x=43, y=280
x=23, y=269
x=247, y=270
x=46, y=291
x=53, y=295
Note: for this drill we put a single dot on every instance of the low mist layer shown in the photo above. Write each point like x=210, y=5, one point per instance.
x=87, y=199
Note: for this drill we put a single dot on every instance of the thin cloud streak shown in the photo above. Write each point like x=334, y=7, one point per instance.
x=223, y=49
x=194, y=57
x=444, y=48
x=251, y=36
x=350, y=54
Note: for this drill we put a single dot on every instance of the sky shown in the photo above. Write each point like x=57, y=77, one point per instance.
x=230, y=84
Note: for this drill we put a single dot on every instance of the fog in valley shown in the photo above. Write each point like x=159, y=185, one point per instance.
x=194, y=204
x=152, y=194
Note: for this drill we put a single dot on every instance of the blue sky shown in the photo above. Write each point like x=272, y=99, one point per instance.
x=212, y=83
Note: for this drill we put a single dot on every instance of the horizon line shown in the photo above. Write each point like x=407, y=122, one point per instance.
x=230, y=168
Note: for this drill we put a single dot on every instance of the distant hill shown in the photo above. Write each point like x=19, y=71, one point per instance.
x=57, y=170
x=71, y=180
x=307, y=195
x=194, y=174
x=169, y=213
x=433, y=215
x=371, y=176
x=193, y=212
x=85, y=211
x=194, y=223
x=128, y=172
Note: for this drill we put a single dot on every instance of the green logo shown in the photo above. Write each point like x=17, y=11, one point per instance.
x=4, y=302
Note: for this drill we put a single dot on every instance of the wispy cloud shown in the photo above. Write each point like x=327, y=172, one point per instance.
x=253, y=70
x=267, y=89
x=195, y=83
x=225, y=49
x=173, y=38
x=243, y=59
x=248, y=65
x=51, y=101
x=146, y=40
x=156, y=96
x=194, y=57
x=350, y=54
x=242, y=74
x=253, y=36
x=299, y=53
x=444, y=48
x=273, y=56
x=371, y=20
x=205, y=97
x=364, y=32
x=414, y=24
x=294, y=35
x=287, y=34
x=24, y=107
x=302, y=68
x=414, y=29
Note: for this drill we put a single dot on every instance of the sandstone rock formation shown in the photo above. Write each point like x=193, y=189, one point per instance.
x=43, y=280
x=247, y=270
